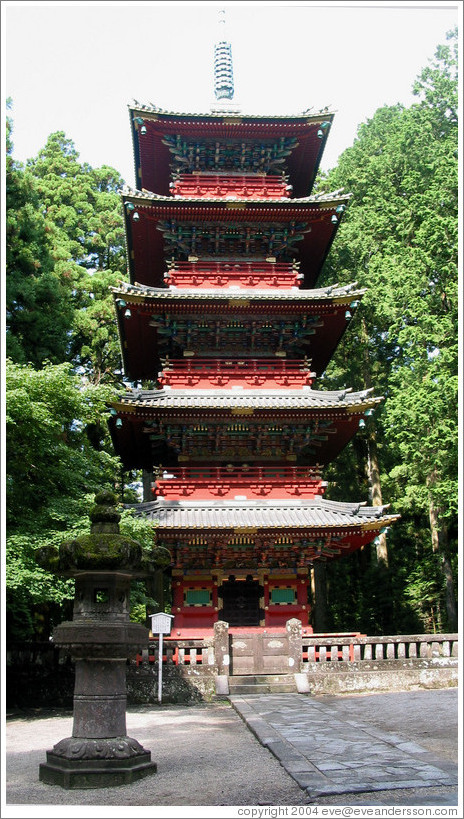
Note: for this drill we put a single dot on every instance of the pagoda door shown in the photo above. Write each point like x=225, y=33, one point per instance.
x=240, y=602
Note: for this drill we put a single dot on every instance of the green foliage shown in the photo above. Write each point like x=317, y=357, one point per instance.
x=96, y=342
x=52, y=470
x=65, y=248
x=38, y=310
x=49, y=455
x=399, y=240
x=143, y=593
x=85, y=208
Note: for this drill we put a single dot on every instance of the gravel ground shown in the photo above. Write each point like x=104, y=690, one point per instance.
x=206, y=756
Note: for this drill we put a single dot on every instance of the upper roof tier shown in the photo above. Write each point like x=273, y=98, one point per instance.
x=262, y=426
x=165, y=142
x=237, y=323
x=159, y=228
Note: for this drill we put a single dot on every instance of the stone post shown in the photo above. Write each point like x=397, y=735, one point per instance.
x=99, y=639
x=222, y=657
x=295, y=662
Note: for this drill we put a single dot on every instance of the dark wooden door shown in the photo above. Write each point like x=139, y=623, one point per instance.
x=240, y=602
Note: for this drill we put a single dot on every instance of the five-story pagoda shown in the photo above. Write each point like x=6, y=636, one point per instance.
x=225, y=244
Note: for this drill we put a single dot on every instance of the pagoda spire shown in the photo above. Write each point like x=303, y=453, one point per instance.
x=223, y=67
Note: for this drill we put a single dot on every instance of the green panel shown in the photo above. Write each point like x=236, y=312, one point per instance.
x=282, y=595
x=197, y=597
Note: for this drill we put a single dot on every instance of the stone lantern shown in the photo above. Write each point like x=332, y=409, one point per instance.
x=99, y=639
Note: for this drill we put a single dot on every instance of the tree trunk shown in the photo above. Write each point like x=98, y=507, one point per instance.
x=439, y=533
x=372, y=467
x=155, y=587
x=321, y=613
x=373, y=475
x=147, y=478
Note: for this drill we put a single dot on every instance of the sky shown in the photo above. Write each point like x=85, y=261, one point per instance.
x=75, y=66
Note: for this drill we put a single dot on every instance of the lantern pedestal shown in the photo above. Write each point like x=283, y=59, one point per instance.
x=105, y=763
x=99, y=639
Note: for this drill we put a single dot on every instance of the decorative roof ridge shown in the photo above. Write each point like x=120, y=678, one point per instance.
x=316, y=198
x=250, y=396
x=350, y=508
x=319, y=293
x=151, y=108
x=263, y=393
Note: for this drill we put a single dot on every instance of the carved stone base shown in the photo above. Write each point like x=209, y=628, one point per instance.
x=96, y=763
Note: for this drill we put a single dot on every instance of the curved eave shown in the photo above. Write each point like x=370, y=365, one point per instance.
x=145, y=197
x=138, y=293
x=313, y=518
x=146, y=253
x=132, y=417
x=259, y=400
x=140, y=343
x=152, y=158
x=174, y=118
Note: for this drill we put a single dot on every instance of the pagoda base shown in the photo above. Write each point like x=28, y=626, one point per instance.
x=102, y=763
x=246, y=598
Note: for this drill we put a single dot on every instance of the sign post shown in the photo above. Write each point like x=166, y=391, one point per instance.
x=161, y=623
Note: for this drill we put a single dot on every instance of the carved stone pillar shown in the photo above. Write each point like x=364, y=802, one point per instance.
x=99, y=639
x=293, y=628
x=222, y=656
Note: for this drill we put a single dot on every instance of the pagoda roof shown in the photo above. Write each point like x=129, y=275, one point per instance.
x=322, y=309
x=322, y=198
x=261, y=399
x=308, y=218
x=237, y=118
x=135, y=414
x=337, y=294
x=152, y=157
x=318, y=515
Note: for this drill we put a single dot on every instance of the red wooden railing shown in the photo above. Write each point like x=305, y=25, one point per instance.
x=250, y=372
x=240, y=186
x=220, y=481
x=260, y=274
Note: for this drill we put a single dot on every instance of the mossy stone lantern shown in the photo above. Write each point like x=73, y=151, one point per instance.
x=99, y=639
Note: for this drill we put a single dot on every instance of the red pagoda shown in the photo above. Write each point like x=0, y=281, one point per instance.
x=222, y=318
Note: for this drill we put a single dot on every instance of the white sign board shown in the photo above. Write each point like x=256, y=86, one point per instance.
x=161, y=623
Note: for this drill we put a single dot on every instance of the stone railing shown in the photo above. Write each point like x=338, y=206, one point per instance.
x=324, y=663
x=321, y=649
x=362, y=664
x=198, y=669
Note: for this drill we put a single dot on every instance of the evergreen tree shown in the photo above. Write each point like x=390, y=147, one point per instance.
x=400, y=241
x=85, y=208
x=58, y=454
x=38, y=308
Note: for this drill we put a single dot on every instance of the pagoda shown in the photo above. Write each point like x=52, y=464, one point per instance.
x=223, y=332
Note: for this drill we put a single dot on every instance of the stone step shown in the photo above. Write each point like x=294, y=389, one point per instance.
x=248, y=679
x=262, y=684
x=288, y=688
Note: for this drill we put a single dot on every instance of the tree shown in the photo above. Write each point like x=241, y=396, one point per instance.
x=53, y=470
x=400, y=241
x=65, y=248
x=38, y=309
x=85, y=208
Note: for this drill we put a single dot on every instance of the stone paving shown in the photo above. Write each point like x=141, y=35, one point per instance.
x=328, y=754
